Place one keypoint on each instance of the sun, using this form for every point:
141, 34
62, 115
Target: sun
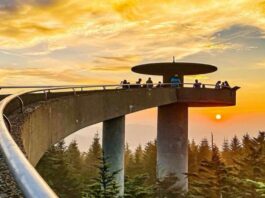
218, 116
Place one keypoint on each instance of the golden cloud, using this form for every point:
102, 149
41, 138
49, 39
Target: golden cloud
111, 68
113, 34
29, 76
119, 59
171, 20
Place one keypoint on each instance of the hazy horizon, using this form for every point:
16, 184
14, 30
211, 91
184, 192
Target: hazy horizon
139, 133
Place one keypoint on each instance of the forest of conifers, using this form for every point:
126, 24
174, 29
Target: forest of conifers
237, 170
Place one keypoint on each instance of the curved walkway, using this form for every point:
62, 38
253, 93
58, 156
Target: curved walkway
42, 119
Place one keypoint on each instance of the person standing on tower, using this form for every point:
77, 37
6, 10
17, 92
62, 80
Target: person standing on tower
197, 84
149, 83
175, 81
138, 83
218, 85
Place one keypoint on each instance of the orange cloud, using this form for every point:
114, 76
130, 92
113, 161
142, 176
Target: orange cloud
111, 68
29, 76
142, 23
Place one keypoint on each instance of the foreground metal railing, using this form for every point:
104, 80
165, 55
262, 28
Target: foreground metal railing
28, 179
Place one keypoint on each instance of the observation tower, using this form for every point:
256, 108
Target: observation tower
172, 121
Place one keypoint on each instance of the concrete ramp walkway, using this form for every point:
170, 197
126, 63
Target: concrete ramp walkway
37, 120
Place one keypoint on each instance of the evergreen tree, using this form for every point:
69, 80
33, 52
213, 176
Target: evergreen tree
246, 142
95, 150
204, 151
138, 158
149, 162
236, 149
74, 164
214, 179
248, 164
91, 160
137, 162
55, 170
73, 156
104, 185
136, 187
128, 161
193, 151
226, 153
260, 187
252, 164
239, 172
128, 155
208, 180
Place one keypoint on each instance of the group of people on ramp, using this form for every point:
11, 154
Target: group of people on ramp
175, 81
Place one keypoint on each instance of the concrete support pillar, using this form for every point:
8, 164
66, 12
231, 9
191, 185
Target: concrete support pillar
172, 142
113, 147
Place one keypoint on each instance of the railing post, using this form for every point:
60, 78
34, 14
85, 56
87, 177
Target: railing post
74, 91
45, 95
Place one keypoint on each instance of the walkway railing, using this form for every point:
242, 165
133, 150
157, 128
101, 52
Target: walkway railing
28, 179
48, 87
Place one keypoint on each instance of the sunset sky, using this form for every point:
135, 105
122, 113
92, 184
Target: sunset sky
97, 42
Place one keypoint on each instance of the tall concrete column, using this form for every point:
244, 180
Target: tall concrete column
172, 142
113, 147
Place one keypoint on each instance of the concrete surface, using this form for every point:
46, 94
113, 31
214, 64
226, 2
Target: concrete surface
48, 122
113, 144
45, 122
172, 142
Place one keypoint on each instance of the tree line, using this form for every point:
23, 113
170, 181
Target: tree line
235, 170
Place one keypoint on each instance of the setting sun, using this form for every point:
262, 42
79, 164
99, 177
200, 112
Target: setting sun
218, 116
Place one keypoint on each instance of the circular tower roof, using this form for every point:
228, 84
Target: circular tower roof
167, 68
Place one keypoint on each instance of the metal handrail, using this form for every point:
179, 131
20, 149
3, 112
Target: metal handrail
30, 182
90, 86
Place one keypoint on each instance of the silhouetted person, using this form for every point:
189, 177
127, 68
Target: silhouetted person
203, 86
149, 83
138, 83
218, 85
125, 84
159, 84
226, 85
197, 84
222, 85
175, 81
